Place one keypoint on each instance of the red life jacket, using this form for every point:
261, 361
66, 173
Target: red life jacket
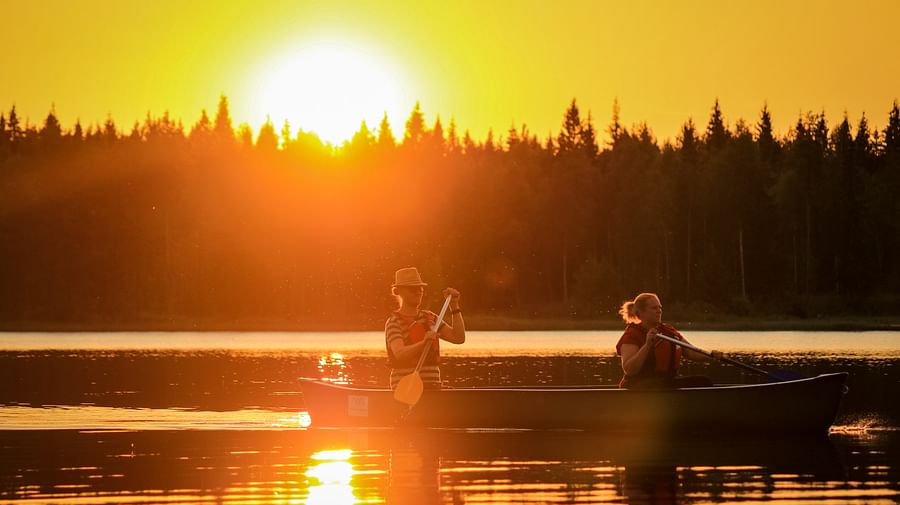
416, 327
662, 362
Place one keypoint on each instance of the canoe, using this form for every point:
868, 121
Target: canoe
807, 405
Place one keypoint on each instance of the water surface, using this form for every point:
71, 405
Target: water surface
218, 417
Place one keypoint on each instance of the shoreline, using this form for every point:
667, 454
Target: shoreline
474, 322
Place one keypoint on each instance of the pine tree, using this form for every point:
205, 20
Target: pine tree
512, 138
437, 134
110, 133
452, 137
52, 131
588, 137
892, 136
245, 136
614, 130
285, 136
385, 135
267, 140
223, 129
569, 138
202, 129
78, 131
716, 131
14, 131
415, 127
363, 139
862, 146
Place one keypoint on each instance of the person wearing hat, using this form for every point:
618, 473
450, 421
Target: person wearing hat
408, 328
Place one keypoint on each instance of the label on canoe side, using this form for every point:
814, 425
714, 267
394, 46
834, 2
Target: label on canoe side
358, 406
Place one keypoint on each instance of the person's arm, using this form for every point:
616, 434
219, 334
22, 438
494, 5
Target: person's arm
456, 332
633, 356
409, 354
406, 355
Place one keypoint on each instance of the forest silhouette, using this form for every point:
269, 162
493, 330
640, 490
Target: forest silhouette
215, 227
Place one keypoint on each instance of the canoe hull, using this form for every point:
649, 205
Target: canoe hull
798, 406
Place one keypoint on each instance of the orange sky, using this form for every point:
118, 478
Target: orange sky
487, 64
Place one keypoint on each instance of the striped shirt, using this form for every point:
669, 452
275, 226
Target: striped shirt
411, 330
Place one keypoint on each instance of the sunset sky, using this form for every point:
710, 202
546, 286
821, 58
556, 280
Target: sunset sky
325, 66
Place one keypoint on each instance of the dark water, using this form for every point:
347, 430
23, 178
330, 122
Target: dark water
92, 426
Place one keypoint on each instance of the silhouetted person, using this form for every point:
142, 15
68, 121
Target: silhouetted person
647, 360
408, 328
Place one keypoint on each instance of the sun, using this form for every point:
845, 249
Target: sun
329, 88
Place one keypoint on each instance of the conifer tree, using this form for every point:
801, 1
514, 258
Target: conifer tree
363, 139
588, 137
78, 131
267, 139
892, 137
437, 135
453, 144
415, 127
52, 131
614, 130
385, 135
569, 138
716, 131
245, 136
14, 131
285, 135
203, 128
468, 143
862, 146
223, 129
110, 133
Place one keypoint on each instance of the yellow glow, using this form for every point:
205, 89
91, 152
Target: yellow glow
329, 88
332, 478
665, 61
334, 455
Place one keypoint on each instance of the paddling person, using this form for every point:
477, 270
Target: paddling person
647, 360
408, 328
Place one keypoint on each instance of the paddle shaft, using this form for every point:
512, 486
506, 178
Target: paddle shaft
730, 361
437, 324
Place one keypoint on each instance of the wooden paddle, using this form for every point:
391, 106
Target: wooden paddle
780, 375
409, 389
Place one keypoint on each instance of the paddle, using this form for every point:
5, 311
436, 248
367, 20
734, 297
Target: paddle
409, 389
779, 375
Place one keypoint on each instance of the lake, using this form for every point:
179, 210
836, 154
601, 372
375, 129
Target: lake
94, 418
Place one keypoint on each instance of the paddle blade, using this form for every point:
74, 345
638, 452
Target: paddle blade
409, 389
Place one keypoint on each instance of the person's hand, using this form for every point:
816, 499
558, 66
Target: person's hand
652, 338
430, 335
454, 297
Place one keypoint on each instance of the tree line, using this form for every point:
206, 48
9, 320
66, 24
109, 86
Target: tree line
214, 226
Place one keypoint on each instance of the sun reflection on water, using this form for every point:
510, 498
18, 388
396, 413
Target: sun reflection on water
330, 478
332, 368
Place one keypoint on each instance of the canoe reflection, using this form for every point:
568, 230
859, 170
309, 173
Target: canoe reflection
650, 484
339, 467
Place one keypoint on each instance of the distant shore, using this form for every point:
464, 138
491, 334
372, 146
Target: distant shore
473, 322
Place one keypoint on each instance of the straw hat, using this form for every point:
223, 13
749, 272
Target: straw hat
407, 277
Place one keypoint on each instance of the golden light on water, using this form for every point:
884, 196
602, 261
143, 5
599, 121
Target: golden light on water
331, 478
332, 368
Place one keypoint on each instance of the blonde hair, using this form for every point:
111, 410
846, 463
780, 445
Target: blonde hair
628, 311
